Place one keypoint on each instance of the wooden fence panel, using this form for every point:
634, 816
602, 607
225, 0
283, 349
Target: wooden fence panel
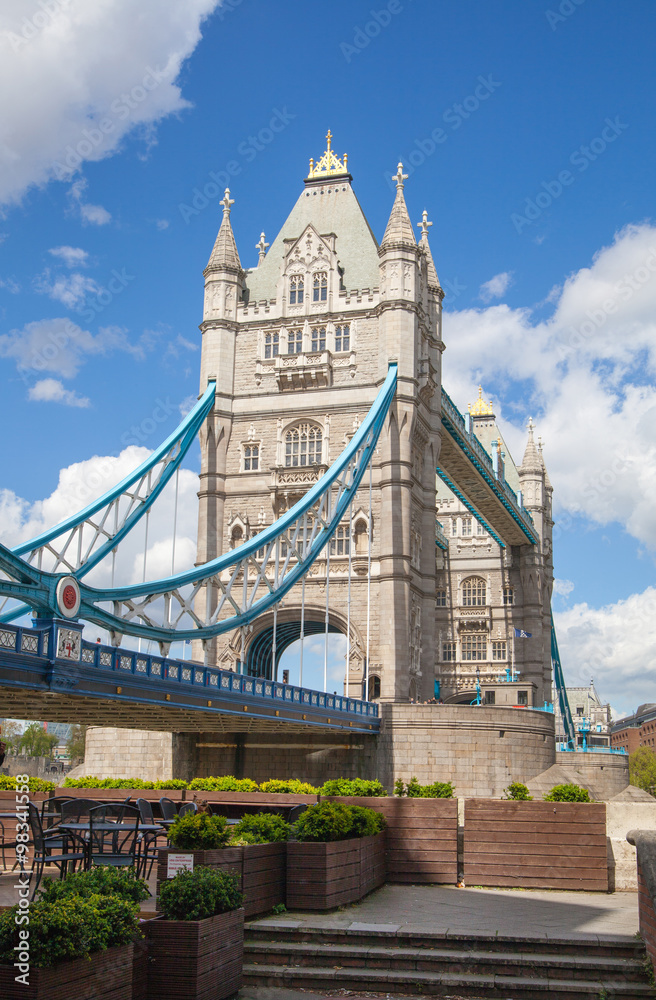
538, 845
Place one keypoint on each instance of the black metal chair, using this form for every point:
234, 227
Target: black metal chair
51, 812
186, 808
43, 847
147, 840
117, 847
168, 811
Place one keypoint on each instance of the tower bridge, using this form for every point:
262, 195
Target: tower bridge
341, 490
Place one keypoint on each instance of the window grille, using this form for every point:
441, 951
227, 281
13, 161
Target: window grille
474, 646
342, 338
296, 290
303, 446
271, 345
320, 287
295, 342
319, 338
473, 592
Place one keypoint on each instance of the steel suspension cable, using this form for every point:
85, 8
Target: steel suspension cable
365, 694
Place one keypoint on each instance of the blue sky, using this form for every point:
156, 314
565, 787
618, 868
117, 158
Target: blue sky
529, 131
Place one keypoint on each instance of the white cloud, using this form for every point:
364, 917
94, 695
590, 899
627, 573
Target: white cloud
70, 289
94, 214
61, 347
616, 645
88, 74
563, 587
11, 285
71, 256
162, 224
496, 286
50, 390
590, 371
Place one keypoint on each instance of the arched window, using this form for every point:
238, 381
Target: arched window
296, 290
251, 457
319, 338
236, 536
473, 592
374, 687
342, 338
271, 345
303, 445
340, 542
295, 342
320, 287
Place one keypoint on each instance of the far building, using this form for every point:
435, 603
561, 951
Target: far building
635, 731
591, 718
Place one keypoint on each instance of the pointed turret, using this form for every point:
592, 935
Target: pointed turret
433, 280
531, 463
547, 481
399, 232
224, 254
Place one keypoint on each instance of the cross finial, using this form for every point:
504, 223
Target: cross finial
261, 247
530, 426
329, 138
227, 201
424, 225
400, 176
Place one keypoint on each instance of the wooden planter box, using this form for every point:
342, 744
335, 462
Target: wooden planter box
536, 845
260, 868
324, 876
422, 837
108, 975
195, 959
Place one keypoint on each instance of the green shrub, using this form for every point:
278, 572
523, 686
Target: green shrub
355, 786
197, 894
8, 784
199, 832
171, 783
101, 880
291, 785
90, 782
567, 793
226, 783
517, 791
438, 790
70, 927
330, 821
262, 828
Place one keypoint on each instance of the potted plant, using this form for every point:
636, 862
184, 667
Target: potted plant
253, 850
338, 856
196, 948
49, 957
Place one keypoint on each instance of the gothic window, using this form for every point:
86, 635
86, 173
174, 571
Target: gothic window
454, 527
466, 526
320, 287
340, 543
251, 457
498, 650
374, 687
271, 345
440, 598
294, 341
343, 338
296, 290
480, 530
236, 536
508, 595
449, 652
319, 338
303, 445
474, 646
473, 592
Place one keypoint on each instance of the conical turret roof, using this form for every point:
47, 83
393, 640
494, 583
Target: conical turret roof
399, 230
531, 461
433, 280
547, 481
224, 253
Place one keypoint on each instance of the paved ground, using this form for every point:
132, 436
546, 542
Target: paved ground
445, 909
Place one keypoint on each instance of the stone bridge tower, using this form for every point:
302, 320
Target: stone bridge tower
299, 346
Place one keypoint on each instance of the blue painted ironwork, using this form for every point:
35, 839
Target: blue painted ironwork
561, 691
260, 650
446, 479
454, 422
80, 542
168, 682
441, 540
273, 561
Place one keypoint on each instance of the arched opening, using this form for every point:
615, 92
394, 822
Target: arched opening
260, 652
360, 532
374, 687
236, 536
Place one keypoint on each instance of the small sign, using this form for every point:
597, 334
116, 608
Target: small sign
179, 863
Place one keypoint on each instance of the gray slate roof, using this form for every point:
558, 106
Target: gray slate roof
331, 207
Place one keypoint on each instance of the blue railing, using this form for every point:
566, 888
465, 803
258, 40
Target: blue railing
188, 674
441, 540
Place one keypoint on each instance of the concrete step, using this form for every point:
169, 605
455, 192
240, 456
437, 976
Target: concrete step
446, 958
328, 979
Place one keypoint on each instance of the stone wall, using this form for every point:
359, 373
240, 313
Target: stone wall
127, 753
622, 816
481, 750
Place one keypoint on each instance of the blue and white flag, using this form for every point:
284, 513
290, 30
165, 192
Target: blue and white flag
521, 634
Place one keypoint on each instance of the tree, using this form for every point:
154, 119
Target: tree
10, 733
36, 742
75, 744
642, 769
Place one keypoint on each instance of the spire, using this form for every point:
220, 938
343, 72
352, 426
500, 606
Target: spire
531, 461
225, 253
433, 280
261, 248
480, 408
399, 230
547, 481
329, 165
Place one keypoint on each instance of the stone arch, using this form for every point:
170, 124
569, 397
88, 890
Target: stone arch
259, 648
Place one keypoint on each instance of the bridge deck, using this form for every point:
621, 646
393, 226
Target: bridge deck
119, 687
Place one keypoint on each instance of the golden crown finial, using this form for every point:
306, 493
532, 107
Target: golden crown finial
329, 165
480, 408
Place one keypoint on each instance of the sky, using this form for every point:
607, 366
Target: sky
527, 131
